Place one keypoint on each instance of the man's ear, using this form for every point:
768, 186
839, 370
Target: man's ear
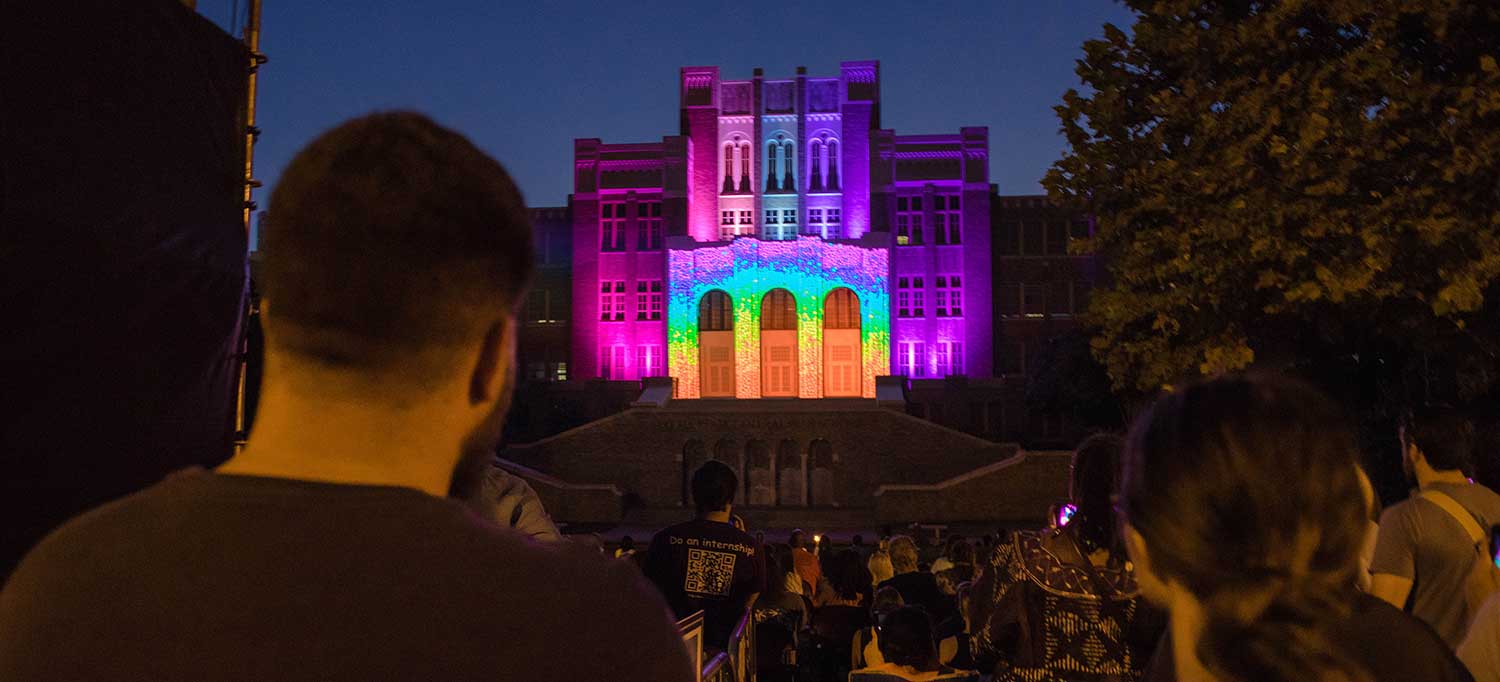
486, 380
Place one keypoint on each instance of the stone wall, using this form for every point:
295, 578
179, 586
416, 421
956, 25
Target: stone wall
1018, 490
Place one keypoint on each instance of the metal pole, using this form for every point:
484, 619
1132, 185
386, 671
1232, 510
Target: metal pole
251, 40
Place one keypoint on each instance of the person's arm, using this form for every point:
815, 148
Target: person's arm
1391, 589
1480, 650
1393, 565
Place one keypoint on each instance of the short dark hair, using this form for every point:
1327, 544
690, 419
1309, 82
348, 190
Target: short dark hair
714, 484
1444, 436
906, 638
390, 234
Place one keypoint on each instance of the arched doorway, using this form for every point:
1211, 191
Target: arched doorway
761, 480
693, 456
778, 344
716, 345
841, 352
821, 474
728, 452
789, 474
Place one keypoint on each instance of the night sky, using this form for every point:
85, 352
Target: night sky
524, 79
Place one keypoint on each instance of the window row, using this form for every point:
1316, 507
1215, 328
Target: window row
1038, 238
649, 362
736, 224
947, 220
542, 370
948, 296
913, 360
648, 300
612, 217
1057, 299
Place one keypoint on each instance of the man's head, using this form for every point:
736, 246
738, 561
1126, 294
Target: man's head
903, 554
714, 484
797, 539
394, 259
1437, 438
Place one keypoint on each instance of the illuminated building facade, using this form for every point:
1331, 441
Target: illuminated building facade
782, 245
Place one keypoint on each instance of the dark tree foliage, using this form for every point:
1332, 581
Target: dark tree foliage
1311, 185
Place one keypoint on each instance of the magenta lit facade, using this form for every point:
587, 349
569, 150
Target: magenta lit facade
782, 245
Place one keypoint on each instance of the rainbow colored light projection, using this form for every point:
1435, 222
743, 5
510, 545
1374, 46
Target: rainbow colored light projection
747, 269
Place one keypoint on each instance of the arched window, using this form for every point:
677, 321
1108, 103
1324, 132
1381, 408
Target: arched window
788, 176
789, 474
773, 166
778, 310
744, 183
833, 166
693, 456
841, 311
815, 162
728, 169
715, 312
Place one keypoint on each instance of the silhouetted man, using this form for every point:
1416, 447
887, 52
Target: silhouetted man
326, 550
707, 563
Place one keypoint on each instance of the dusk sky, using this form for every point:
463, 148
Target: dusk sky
524, 79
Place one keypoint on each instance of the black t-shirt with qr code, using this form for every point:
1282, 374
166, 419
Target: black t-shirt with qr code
707, 565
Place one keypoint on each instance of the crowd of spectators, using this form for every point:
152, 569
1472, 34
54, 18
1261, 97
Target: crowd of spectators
363, 533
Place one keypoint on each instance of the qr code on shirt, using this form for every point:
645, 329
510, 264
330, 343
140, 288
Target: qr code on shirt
709, 572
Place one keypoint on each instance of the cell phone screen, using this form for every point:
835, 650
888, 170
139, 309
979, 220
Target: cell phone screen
1065, 514
1495, 545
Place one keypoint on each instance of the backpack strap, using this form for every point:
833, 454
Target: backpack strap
1458, 512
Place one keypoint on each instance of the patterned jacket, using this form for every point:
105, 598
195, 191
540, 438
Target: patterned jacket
1042, 613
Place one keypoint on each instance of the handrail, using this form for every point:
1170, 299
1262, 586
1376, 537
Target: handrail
736, 663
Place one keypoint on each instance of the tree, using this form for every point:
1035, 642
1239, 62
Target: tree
1309, 183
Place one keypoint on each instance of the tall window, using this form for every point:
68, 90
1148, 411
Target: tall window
911, 358
1032, 238
1008, 298
1057, 238
832, 183
788, 224
946, 219
537, 305
773, 167
943, 366
648, 360
612, 300
715, 312
648, 217
949, 296
612, 226
1010, 238
909, 297
612, 362
1033, 300
908, 221
744, 183
815, 163
788, 176
648, 299
955, 357
728, 184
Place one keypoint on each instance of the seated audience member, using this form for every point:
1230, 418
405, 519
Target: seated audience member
1480, 650
1067, 584
1242, 513
779, 617
327, 549
880, 567
919, 588
706, 563
909, 651
777, 602
792, 581
805, 563
960, 567
865, 648
1424, 553
626, 549
506, 499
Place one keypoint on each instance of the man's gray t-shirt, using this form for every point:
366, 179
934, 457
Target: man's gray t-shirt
1421, 542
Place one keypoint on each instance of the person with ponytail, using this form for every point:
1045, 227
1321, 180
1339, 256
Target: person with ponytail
1243, 515
1062, 604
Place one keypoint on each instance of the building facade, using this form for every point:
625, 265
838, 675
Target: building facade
782, 245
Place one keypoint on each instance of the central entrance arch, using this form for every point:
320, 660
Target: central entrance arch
778, 344
716, 344
841, 352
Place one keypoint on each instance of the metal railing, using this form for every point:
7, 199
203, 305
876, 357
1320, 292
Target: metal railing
735, 664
